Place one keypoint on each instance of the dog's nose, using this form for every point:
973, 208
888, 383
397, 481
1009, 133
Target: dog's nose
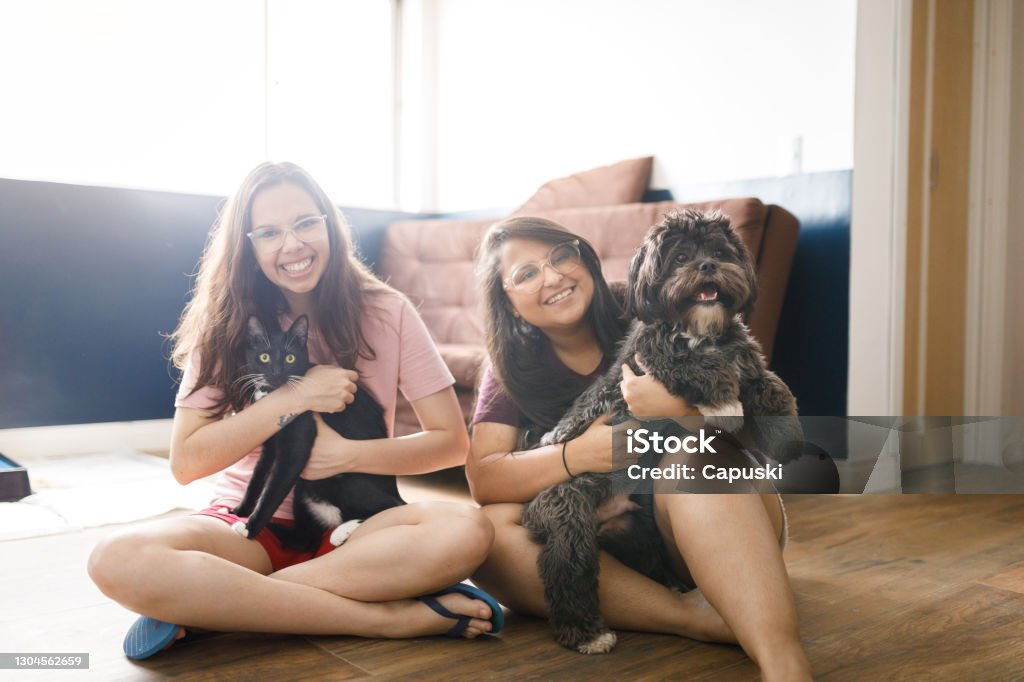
708, 266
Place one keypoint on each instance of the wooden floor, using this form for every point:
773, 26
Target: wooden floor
888, 587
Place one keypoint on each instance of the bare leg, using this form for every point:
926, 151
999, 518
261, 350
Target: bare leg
439, 543
730, 544
629, 600
196, 571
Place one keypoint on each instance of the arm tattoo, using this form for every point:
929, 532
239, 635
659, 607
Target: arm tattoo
286, 419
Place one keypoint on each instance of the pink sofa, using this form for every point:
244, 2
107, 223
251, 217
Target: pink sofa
432, 262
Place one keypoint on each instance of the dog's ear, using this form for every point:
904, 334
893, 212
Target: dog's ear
747, 262
642, 291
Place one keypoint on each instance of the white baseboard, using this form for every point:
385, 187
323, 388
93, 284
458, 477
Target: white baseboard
152, 436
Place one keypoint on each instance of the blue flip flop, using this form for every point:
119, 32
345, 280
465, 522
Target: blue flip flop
148, 636
497, 615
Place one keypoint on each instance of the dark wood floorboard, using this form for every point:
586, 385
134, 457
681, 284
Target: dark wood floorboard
887, 587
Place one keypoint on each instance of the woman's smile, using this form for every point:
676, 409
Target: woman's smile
561, 295
296, 269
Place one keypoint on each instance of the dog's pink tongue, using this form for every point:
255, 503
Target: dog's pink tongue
707, 294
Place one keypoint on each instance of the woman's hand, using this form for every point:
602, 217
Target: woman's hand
592, 450
647, 397
331, 454
326, 388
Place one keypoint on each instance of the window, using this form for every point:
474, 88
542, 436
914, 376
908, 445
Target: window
189, 95
330, 102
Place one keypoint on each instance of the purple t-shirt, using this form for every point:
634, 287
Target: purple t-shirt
493, 403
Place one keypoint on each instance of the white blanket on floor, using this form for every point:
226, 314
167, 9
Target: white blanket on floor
82, 491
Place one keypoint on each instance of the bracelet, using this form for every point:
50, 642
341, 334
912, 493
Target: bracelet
564, 463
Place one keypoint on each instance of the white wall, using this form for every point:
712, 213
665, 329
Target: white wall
534, 89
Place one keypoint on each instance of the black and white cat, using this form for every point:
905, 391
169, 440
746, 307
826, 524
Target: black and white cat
340, 502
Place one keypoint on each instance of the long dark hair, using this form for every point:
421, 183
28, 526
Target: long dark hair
230, 287
514, 346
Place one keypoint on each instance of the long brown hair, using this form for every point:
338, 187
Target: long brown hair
514, 346
230, 287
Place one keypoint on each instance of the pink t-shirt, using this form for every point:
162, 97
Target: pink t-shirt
406, 361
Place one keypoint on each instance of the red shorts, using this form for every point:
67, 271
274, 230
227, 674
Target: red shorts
280, 556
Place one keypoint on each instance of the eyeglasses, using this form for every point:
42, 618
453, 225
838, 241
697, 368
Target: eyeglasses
271, 237
528, 278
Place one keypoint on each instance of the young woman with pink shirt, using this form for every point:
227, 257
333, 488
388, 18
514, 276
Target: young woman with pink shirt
281, 249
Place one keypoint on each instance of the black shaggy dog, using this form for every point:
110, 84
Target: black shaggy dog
689, 283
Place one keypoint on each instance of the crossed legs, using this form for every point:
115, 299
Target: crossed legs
196, 571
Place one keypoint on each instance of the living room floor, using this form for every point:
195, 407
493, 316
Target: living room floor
890, 587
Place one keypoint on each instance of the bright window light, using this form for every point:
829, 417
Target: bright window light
330, 84
188, 96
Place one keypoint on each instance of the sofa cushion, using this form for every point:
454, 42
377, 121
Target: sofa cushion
431, 261
616, 232
620, 183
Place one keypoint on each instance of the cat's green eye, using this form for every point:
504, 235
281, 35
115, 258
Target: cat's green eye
264, 357
289, 358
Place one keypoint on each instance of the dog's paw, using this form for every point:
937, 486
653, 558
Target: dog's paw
601, 644
240, 528
340, 534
